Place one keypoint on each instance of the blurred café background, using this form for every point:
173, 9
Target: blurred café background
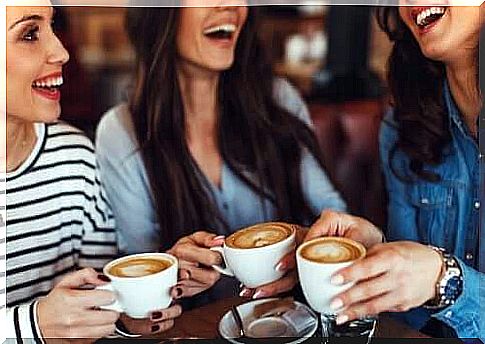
336, 57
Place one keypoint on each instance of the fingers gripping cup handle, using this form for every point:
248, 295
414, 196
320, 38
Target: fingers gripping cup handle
225, 271
116, 305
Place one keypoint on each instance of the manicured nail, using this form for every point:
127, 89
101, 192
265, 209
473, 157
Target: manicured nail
104, 278
179, 292
244, 292
157, 315
155, 328
336, 304
220, 237
258, 294
341, 319
337, 280
281, 267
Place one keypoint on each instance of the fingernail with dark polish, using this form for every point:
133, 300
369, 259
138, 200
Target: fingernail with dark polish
155, 328
104, 278
157, 315
179, 292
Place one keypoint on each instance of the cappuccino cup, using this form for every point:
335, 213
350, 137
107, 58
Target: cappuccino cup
141, 282
317, 261
251, 254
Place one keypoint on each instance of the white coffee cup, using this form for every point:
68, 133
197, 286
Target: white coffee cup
139, 296
256, 266
315, 275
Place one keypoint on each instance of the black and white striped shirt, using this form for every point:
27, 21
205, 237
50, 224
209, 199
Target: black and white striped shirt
58, 219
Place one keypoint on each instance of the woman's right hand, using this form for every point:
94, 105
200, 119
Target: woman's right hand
195, 260
69, 312
332, 223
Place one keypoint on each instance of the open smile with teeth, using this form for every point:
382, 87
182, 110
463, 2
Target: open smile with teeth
225, 31
429, 16
49, 83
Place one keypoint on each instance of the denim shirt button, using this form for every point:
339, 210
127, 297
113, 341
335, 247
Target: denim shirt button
477, 205
424, 200
449, 314
469, 256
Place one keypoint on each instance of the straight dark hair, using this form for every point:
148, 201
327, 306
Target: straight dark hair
416, 86
255, 134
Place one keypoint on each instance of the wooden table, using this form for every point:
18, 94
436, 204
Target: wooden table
203, 323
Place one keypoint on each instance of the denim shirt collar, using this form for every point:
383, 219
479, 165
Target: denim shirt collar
453, 111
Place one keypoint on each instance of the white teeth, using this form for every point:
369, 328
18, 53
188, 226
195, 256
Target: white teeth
51, 82
422, 16
226, 28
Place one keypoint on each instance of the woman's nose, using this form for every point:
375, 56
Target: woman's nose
57, 53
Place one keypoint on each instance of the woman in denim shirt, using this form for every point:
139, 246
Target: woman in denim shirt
430, 157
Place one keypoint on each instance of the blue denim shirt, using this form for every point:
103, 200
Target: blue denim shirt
443, 214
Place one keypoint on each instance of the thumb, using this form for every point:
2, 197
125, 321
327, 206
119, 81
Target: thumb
326, 225
80, 278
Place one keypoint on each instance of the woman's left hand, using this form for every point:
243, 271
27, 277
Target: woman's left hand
159, 321
393, 277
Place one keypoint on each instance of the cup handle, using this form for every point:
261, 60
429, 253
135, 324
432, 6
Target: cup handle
225, 271
116, 305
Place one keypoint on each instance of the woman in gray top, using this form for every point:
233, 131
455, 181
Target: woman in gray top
209, 140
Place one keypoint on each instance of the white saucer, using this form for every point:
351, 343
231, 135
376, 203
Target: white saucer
296, 324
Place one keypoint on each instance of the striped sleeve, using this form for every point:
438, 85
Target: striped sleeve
22, 323
99, 243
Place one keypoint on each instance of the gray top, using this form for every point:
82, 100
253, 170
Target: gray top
127, 184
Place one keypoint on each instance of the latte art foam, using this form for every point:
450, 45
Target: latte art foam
259, 236
333, 250
139, 267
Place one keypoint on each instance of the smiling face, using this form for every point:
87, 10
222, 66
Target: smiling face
444, 34
34, 64
207, 37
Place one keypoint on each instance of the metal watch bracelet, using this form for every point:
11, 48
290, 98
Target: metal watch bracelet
449, 284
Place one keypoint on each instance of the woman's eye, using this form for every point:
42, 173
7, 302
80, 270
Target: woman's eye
31, 35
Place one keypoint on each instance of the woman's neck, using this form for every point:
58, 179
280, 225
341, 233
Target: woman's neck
21, 140
200, 98
462, 78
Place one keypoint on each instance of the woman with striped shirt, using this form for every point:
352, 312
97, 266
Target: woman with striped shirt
58, 217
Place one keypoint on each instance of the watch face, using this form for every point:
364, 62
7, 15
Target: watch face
453, 288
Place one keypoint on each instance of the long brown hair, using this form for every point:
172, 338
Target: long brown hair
255, 134
416, 85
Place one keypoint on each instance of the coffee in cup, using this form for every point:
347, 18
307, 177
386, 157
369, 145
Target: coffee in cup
139, 267
252, 254
259, 236
332, 250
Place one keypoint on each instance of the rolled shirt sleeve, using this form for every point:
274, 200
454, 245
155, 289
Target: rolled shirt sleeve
465, 316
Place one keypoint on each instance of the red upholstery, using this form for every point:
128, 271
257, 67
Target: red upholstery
348, 136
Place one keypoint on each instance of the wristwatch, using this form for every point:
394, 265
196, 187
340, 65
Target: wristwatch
450, 283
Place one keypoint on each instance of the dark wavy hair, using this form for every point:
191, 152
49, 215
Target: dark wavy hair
255, 134
416, 86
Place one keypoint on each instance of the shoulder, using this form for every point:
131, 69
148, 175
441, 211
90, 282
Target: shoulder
62, 134
288, 97
115, 134
65, 143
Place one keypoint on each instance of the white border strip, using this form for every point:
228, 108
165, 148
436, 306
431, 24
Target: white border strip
3, 157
